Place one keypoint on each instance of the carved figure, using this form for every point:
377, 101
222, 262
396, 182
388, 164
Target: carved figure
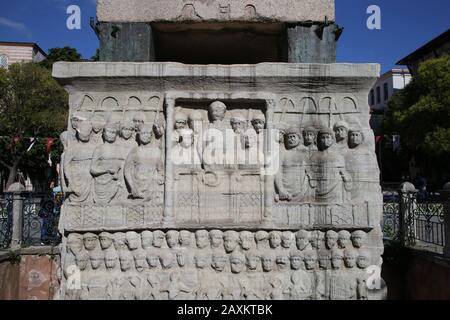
144, 167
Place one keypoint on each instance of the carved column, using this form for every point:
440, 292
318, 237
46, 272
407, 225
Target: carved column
445, 195
407, 194
270, 154
169, 216
16, 193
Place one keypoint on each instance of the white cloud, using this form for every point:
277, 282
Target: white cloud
13, 25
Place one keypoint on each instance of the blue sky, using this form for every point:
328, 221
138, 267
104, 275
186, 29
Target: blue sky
406, 25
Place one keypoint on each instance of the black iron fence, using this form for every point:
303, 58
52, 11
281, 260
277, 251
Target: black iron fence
414, 218
6, 203
39, 216
40, 219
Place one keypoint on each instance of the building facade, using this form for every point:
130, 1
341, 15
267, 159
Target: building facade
436, 48
386, 86
14, 52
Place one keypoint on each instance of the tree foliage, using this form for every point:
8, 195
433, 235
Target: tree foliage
61, 54
33, 107
421, 114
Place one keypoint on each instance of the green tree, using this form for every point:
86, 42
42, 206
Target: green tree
421, 115
33, 107
60, 54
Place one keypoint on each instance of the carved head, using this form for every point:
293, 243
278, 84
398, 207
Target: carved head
324, 258
309, 136
283, 262
331, 238
110, 133
326, 138
158, 129
350, 258
310, 258
202, 238
140, 260
145, 135
75, 243
247, 240
186, 138
217, 111
185, 238
119, 241
216, 237
363, 259
133, 240
287, 239
81, 259
219, 261
180, 120
340, 129
201, 260
111, 258
181, 259
96, 258
152, 260
84, 131
297, 260
90, 241
238, 123
231, 240
355, 138
292, 138
195, 121
252, 260
344, 239
237, 262
172, 238
262, 238
317, 239
138, 121
127, 129
126, 260
106, 240
358, 238
267, 262
337, 259
167, 260
259, 123
302, 239
75, 120
147, 239
274, 239
98, 123
158, 238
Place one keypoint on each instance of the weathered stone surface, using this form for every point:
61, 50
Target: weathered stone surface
290, 11
219, 181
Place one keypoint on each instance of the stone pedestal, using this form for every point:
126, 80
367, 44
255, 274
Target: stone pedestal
299, 221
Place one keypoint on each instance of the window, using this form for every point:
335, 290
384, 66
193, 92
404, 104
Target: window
386, 92
3, 61
372, 97
378, 95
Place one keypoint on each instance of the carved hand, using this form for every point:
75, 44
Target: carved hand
285, 196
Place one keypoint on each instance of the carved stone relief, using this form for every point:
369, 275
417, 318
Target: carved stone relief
174, 265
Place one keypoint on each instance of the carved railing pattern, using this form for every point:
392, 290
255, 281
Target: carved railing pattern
423, 219
40, 219
6, 203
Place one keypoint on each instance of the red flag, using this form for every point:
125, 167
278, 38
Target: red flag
378, 139
49, 144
